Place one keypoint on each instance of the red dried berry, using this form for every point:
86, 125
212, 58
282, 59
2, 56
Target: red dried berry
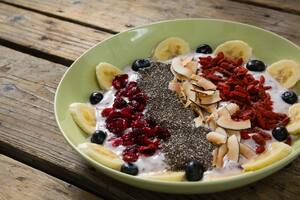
245, 135
258, 139
149, 150
120, 81
260, 149
119, 103
116, 142
117, 125
130, 154
126, 113
139, 123
106, 111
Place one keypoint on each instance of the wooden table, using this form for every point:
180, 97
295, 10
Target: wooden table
39, 39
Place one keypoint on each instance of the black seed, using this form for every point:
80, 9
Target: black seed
256, 66
194, 171
289, 97
96, 97
129, 168
98, 137
140, 63
280, 133
204, 48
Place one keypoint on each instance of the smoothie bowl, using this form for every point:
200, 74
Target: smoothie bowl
184, 106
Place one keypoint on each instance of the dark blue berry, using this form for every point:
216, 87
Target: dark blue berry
256, 66
204, 48
280, 133
98, 137
289, 97
96, 97
194, 171
129, 168
139, 64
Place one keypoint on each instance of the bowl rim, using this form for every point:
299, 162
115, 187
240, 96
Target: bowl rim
217, 181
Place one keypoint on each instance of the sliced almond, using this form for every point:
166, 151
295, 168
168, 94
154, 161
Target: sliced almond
211, 121
191, 95
221, 130
236, 133
179, 68
215, 156
209, 108
247, 152
233, 148
206, 100
192, 65
226, 122
222, 150
203, 82
216, 138
204, 92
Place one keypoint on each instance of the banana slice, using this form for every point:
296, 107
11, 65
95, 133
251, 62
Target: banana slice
286, 72
235, 49
101, 155
84, 116
105, 74
293, 126
170, 48
165, 176
278, 151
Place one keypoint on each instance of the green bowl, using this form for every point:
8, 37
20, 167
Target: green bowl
120, 50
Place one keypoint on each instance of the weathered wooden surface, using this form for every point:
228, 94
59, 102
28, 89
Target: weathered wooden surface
64, 29
117, 16
29, 133
18, 181
290, 6
50, 35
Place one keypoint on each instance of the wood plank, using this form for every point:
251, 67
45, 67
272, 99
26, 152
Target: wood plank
29, 134
116, 16
19, 181
46, 34
290, 6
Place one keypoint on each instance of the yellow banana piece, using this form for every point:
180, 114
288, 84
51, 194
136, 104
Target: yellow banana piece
105, 74
84, 116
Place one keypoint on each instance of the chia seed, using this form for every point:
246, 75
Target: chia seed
186, 142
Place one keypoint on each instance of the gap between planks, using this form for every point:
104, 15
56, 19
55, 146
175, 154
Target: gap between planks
288, 6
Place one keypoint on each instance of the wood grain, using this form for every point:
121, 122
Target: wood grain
29, 134
115, 16
290, 6
19, 181
46, 34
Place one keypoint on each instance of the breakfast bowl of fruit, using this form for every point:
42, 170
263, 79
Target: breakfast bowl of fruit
184, 106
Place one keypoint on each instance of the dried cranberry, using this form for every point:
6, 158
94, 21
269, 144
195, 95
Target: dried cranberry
139, 123
105, 112
140, 97
258, 139
116, 142
120, 81
142, 140
130, 154
126, 113
260, 149
112, 115
139, 107
119, 103
245, 135
148, 150
117, 125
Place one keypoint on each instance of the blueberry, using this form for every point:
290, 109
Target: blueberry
256, 66
204, 48
289, 97
98, 137
280, 133
194, 171
140, 63
96, 97
129, 168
